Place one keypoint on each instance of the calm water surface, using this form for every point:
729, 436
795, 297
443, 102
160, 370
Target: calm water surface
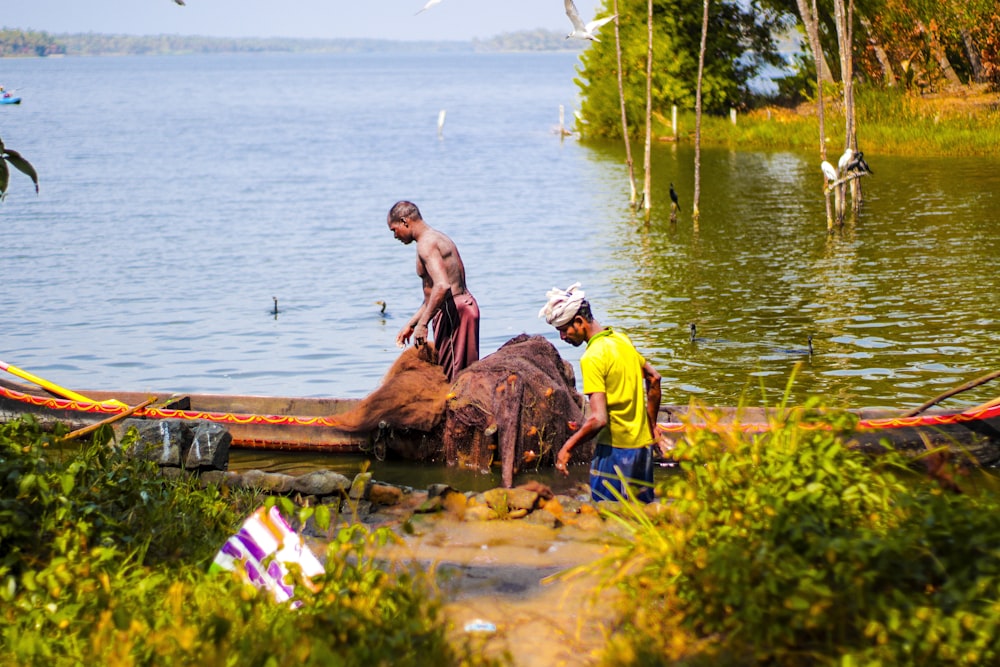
181, 194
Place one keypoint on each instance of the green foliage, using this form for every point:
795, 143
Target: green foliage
104, 561
892, 122
28, 43
739, 43
792, 549
19, 163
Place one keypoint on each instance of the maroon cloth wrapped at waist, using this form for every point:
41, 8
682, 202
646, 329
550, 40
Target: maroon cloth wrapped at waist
456, 333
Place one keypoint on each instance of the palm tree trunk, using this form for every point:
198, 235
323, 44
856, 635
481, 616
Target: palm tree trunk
621, 97
647, 195
821, 115
697, 114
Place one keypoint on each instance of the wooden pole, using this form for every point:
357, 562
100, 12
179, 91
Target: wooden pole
951, 392
110, 420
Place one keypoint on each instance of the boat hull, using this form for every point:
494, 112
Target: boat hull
254, 422
310, 424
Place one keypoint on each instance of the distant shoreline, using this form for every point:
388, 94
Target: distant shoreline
17, 43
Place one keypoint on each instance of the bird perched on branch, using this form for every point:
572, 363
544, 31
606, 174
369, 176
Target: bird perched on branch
673, 196
844, 160
858, 164
581, 31
828, 170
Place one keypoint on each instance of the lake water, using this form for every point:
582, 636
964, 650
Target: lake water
181, 195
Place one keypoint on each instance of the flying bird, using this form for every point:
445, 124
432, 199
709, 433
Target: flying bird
581, 31
430, 3
859, 165
828, 170
180, 2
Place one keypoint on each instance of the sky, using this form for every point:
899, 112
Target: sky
326, 19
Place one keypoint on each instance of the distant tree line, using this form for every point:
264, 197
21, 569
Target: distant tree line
528, 40
21, 43
28, 43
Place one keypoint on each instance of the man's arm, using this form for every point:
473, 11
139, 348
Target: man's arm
653, 397
596, 420
440, 286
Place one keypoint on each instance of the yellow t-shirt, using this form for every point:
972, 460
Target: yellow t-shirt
612, 365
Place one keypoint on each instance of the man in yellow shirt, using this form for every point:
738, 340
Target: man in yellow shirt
623, 391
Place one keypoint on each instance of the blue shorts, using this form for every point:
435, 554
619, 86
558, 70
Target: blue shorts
636, 465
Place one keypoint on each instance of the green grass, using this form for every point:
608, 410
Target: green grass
889, 123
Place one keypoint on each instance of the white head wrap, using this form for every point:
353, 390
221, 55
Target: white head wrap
563, 305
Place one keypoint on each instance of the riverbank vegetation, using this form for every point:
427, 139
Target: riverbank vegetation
792, 549
895, 123
910, 52
105, 561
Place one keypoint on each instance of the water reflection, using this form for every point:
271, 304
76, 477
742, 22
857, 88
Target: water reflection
900, 301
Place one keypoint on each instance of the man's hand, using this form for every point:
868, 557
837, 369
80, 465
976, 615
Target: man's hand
562, 462
403, 337
420, 335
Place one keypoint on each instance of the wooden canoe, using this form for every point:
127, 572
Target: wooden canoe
254, 422
310, 424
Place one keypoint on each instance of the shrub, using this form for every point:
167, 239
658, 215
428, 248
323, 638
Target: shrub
104, 561
792, 549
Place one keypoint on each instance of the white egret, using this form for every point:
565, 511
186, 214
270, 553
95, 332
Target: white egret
828, 170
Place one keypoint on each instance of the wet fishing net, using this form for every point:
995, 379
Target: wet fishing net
516, 406
403, 414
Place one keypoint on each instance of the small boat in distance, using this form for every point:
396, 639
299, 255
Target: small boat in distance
7, 97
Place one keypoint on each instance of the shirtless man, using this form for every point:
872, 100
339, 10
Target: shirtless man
448, 305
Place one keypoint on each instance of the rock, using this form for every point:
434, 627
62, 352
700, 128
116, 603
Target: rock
435, 490
430, 505
542, 517
162, 441
383, 494
217, 477
359, 487
209, 447
175, 443
522, 498
321, 483
270, 482
479, 513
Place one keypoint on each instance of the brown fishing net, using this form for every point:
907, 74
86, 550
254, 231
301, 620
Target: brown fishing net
411, 396
516, 406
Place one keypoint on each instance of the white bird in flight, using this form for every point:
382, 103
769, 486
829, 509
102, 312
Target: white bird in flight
430, 3
581, 31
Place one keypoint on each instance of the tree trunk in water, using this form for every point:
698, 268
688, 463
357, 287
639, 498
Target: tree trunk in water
811, 23
647, 195
817, 55
856, 195
697, 114
845, 67
621, 98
